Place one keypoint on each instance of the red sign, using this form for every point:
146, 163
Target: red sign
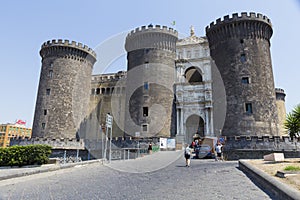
20, 122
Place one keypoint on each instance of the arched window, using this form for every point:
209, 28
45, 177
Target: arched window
98, 91
193, 75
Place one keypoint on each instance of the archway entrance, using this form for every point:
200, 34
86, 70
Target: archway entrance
193, 75
194, 125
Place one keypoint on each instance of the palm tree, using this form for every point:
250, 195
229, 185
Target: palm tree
292, 122
296, 112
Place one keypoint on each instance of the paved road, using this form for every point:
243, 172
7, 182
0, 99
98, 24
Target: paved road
205, 179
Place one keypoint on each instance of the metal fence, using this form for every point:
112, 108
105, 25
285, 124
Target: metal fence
100, 149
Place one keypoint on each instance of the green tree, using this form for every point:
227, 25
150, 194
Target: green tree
296, 112
292, 122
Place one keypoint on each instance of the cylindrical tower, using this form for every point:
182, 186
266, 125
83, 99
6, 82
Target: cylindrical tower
280, 102
64, 88
240, 47
150, 79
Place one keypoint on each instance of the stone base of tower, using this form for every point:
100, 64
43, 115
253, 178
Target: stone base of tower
254, 147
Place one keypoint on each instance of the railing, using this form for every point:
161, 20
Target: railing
128, 153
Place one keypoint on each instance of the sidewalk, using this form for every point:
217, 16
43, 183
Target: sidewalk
13, 172
269, 183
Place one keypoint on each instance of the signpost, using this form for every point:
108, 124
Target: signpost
109, 122
102, 144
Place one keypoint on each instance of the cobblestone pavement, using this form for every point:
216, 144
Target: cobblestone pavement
205, 179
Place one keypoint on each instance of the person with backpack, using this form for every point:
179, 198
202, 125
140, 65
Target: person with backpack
187, 155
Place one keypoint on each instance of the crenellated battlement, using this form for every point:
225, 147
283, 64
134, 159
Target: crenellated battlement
254, 147
262, 143
56, 143
279, 90
246, 25
67, 43
261, 138
242, 17
156, 37
151, 28
280, 94
111, 77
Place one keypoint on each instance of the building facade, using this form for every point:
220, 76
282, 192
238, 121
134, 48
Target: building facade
9, 131
217, 85
193, 88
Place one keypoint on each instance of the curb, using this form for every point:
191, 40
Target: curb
53, 168
276, 188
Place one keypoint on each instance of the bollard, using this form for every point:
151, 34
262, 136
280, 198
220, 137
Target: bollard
77, 155
65, 156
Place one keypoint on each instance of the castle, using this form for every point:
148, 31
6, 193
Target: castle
217, 85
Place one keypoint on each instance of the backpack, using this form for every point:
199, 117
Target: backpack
187, 151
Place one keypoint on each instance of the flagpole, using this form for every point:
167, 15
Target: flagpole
173, 24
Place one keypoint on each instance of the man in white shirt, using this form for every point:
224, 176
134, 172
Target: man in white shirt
219, 151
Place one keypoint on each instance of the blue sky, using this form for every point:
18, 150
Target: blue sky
25, 25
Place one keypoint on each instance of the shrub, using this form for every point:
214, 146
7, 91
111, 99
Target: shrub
292, 168
25, 155
155, 148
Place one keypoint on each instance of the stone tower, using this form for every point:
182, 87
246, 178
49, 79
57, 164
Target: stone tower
64, 89
151, 54
240, 47
280, 102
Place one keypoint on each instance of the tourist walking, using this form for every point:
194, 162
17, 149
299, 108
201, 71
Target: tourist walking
219, 151
150, 148
187, 155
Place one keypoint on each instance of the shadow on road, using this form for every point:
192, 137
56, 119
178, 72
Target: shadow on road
180, 166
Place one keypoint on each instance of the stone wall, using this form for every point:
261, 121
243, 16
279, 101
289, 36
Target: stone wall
55, 143
256, 154
263, 142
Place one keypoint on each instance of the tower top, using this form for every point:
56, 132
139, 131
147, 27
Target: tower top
280, 94
152, 29
67, 43
237, 18
152, 37
245, 26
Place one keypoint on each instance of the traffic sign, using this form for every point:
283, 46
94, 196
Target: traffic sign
109, 120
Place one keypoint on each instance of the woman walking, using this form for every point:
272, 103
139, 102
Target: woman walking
187, 155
